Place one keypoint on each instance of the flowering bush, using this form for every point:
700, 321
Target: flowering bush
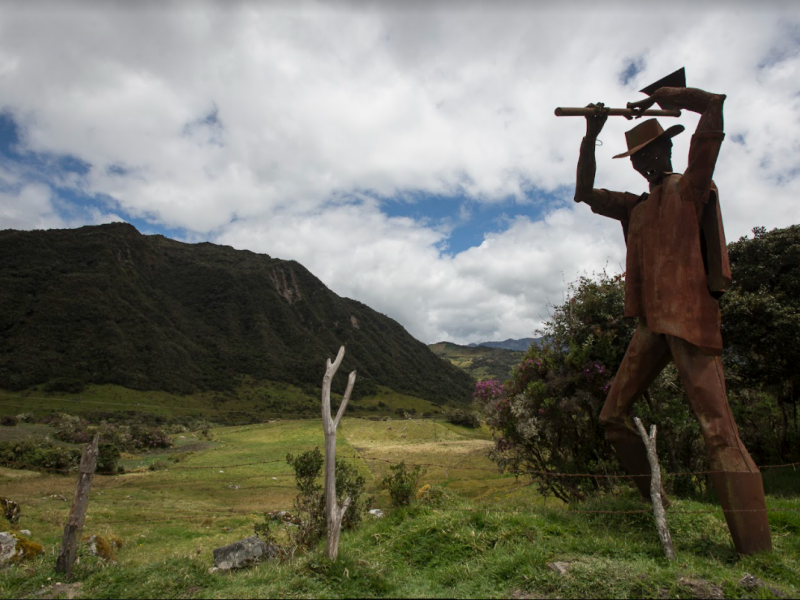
546, 420
546, 417
76, 430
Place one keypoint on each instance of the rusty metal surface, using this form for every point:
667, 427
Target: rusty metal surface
742, 499
676, 79
677, 264
564, 111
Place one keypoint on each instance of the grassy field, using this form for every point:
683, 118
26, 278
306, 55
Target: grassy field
250, 401
479, 361
493, 538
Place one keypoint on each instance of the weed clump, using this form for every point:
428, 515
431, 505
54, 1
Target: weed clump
310, 500
103, 547
402, 483
433, 495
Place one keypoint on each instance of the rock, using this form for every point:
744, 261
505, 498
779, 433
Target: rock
8, 547
25, 532
376, 512
752, 583
702, 588
15, 548
100, 546
559, 567
244, 553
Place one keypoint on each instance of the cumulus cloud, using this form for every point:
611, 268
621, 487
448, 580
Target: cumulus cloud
499, 289
288, 128
30, 207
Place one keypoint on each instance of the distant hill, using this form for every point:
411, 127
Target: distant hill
106, 304
521, 345
480, 362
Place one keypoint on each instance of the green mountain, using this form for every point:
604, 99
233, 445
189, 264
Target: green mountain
520, 345
481, 362
106, 304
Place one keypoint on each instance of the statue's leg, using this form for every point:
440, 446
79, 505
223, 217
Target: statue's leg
736, 477
645, 358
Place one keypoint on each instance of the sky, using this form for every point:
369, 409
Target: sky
406, 153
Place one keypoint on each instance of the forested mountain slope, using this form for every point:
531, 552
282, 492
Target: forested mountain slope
106, 304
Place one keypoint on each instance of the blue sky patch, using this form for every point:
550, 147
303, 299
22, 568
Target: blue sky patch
70, 203
9, 134
208, 126
465, 220
631, 70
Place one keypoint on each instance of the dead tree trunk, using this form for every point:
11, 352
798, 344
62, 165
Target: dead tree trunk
77, 514
333, 512
655, 488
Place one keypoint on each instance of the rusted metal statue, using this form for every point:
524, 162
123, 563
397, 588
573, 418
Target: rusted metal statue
677, 267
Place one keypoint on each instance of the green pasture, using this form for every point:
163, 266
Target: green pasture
250, 401
493, 537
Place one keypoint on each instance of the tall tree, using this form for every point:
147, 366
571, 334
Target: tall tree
761, 320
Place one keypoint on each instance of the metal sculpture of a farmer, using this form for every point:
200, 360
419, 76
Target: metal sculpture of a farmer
677, 267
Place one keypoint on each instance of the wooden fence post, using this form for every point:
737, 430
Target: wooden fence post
655, 488
77, 514
334, 513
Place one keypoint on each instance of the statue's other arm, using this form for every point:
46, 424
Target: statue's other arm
603, 202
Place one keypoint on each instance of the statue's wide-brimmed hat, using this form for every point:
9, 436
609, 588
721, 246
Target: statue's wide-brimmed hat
646, 133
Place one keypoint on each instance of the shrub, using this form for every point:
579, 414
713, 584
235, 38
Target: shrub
108, 456
25, 417
71, 429
148, 438
432, 495
546, 417
310, 500
402, 483
136, 437
464, 418
43, 454
9, 421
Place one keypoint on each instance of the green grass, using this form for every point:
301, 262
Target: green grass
251, 400
480, 362
494, 537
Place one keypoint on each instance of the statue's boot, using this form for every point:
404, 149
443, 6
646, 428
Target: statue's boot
742, 499
633, 456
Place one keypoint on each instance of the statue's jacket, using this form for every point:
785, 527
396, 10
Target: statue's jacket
677, 263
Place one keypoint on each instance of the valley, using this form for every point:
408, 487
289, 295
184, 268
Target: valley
492, 536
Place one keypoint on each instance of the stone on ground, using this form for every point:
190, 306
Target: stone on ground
243, 553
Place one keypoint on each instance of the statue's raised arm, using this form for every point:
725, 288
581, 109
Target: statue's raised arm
696, 100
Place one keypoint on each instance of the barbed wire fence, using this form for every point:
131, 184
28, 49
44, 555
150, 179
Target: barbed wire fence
270, 482
167, 515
